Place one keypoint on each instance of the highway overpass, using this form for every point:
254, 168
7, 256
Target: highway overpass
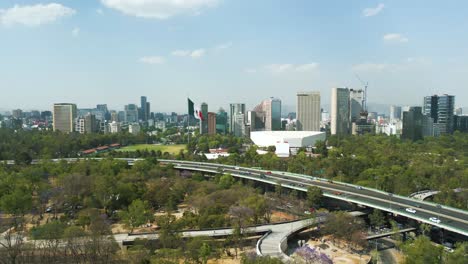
451, 219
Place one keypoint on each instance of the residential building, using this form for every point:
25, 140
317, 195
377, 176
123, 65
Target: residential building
308, 111
340, 114
87, 124
64, 116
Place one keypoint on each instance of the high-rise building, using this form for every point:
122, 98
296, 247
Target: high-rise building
355, 104
143, 106
270, 111
441, 109
459, 111
64, 116
87, 124
235, 109
204, 121
461, 123
221, 121
103, 109
17, 113
114, 127
340, 117
239, 128
211, 123
395, 113
413, 124
308, 111
131, 113
134, 128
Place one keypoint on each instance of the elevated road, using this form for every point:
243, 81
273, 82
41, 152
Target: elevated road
451, 219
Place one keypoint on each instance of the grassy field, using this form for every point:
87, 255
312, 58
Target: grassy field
172, 149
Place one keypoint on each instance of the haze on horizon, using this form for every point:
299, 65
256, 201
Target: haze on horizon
224, 51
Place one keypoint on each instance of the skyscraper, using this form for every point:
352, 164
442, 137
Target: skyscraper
269, 111
440, 108
143, 108
308, 111
64, 117
355, 104
131, 113
340, 117
413, 124
204, 121
235, 109
221, 121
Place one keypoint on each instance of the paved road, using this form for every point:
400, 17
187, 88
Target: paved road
452, 219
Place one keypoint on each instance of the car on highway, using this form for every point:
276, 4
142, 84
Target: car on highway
410, 210
268, 173
359, 187
236, 168
434, 219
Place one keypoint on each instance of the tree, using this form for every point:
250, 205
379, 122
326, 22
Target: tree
422, 251
459, 255
314, 197
138, 213
377, 218
226, 181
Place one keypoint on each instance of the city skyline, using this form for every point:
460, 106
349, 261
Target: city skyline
71, 51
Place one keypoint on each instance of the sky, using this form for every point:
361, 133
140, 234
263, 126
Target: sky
226, 51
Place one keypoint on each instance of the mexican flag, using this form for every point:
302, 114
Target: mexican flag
194, 111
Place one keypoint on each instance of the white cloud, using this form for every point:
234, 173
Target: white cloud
371, 67
367, 12
307, 67
180, 53
159, 9
281, 68
189, 53
197, 53
76, 32
223, 46
395, 38
410, 63
152, 60
34, 15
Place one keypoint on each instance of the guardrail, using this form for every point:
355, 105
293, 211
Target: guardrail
259, 243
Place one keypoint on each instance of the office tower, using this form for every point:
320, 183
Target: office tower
105, 112
204, 121
64, 117
413, 124
143, 106
221, 121
340, 122
441, 109
461, 123
233, 110
211, 123
134, 128
148, 111
459, 111
238, 126
355, 104
395, 113
18, 113
131, 113
308, 111
87, 124
269, 111
114, 116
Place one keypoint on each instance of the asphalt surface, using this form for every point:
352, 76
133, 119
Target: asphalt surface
450, 219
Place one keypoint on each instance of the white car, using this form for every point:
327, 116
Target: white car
410, 210
435, 220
